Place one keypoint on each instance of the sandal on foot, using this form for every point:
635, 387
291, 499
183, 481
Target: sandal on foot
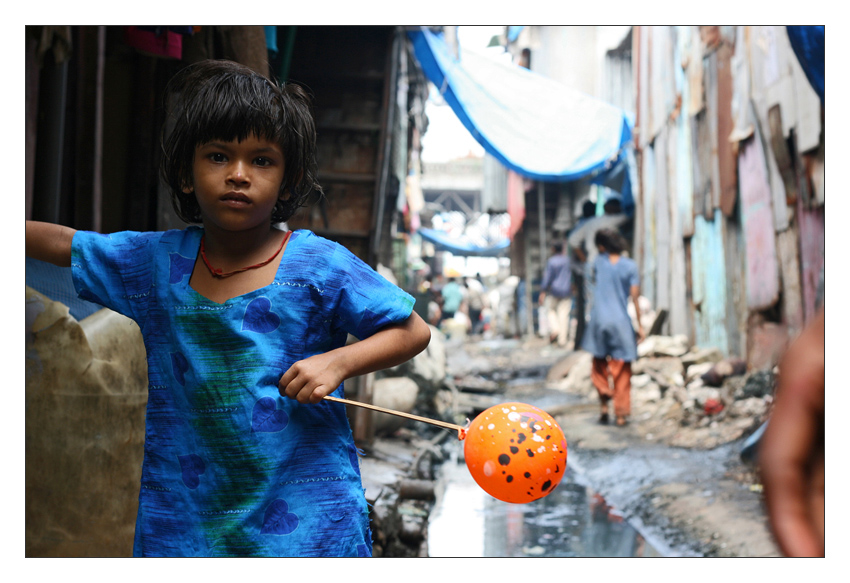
603, 419
621, 422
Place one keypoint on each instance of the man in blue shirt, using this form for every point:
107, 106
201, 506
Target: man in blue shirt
556, 294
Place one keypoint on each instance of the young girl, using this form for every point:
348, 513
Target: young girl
245, 328
610, 337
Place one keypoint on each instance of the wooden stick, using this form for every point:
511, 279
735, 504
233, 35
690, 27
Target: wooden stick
461, 431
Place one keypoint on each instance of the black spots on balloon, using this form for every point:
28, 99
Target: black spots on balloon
548, 437
521, 438
546, 485
510, 479
527, 474
514, 449
557, 469
504, 459
529, 452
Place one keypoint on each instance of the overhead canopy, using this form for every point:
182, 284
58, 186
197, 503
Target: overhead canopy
533, 125
461, 247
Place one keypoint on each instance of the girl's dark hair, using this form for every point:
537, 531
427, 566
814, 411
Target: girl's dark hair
610, 240
223, 100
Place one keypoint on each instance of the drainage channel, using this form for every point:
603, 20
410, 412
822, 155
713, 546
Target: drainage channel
572, 521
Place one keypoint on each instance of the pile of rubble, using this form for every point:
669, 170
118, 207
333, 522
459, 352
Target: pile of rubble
682, 396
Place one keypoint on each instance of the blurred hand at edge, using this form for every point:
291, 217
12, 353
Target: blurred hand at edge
791, 455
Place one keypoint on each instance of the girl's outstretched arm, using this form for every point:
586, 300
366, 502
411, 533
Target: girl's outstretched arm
49, 242
312, 379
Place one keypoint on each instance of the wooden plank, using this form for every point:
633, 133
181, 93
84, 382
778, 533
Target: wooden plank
789, 266
649, 254
711, 110
736, 286
726, 155
662, 223
741, 109
762, 268
811, 226
643, 91
784, 160
701, 166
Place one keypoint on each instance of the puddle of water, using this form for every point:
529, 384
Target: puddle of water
572, 521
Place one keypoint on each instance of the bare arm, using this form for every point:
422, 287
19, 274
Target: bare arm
49, 242
634, 291
311, 379
791, 454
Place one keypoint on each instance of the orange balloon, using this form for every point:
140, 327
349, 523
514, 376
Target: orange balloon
515, 452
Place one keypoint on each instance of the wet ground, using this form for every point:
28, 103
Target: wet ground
573, 521
623, 496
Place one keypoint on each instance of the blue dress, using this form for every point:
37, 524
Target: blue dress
609, 331
230, 466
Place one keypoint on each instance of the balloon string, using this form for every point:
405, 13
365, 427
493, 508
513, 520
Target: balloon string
461, 431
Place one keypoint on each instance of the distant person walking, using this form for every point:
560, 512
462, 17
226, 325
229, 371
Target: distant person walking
452, 298
556, 294
476, 301
610, 337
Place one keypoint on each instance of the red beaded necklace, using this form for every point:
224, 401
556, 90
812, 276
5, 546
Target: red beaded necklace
219, 274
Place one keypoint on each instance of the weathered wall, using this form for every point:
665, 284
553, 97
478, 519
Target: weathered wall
729, 226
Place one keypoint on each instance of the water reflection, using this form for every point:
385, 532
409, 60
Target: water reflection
570, 522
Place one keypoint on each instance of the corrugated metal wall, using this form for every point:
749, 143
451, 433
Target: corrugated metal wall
730, 226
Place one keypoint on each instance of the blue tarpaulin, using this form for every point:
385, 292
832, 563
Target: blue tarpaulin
462, 248
533, 125
808, 44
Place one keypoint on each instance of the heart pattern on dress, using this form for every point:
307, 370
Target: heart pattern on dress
266, 417
193, 466
179, 366
278, 519
259, 317
179, 267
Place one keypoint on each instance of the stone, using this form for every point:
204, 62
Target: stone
697, 355
396, 393
663, 346
750, 408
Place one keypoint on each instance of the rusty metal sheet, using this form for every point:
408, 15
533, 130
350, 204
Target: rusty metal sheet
708, 283
701, 166
811, 226
693, 60
661, 83
726, 155
662, 223
680, 148
792, 295
678, 310
757, 218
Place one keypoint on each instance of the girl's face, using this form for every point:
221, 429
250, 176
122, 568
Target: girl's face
237, 183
